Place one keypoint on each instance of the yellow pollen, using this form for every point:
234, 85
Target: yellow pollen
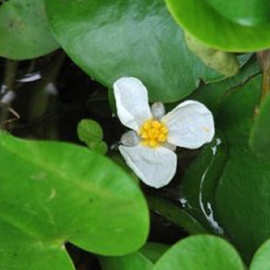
153, 133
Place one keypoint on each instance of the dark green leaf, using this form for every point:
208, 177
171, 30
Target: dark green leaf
261, 260
200, 181
110, 39
211, 95
243, 194
175, 214
153, 251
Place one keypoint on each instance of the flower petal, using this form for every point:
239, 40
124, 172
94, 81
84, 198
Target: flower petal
154, 166
131, 102
190, 125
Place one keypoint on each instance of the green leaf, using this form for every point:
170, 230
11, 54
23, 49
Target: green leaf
248, 13
235, 26
201, 252
110, 39
260, 133
243, 193
261, 260
24, 30
56, 192
90, 132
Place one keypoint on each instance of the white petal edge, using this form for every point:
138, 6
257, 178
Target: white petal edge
154, 166
131, 102
190, 125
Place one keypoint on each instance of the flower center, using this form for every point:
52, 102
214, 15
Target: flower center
153, 133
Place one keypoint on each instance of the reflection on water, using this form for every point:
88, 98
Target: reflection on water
200, 196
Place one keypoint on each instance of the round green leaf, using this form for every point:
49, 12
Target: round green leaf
56, 192
114, 38
24, 30
200, 253
231, 25
261, 260
90, 132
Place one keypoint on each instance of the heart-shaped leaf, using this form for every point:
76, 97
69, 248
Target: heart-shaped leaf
24, 30
201, 252
114, 38
235, 26
53, 192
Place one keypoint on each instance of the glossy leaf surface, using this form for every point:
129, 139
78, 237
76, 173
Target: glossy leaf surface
236, 26
110, 39
200, 253
58, 192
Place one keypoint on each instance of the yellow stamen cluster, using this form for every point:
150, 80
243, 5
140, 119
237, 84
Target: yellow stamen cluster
153, 133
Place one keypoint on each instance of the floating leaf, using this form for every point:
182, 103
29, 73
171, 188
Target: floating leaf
58, 192
235, 26
201, 252
24, 30
110, 39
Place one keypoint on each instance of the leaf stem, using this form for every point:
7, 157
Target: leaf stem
264, 61
8, 86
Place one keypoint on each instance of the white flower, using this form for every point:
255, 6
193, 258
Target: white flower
148, 150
